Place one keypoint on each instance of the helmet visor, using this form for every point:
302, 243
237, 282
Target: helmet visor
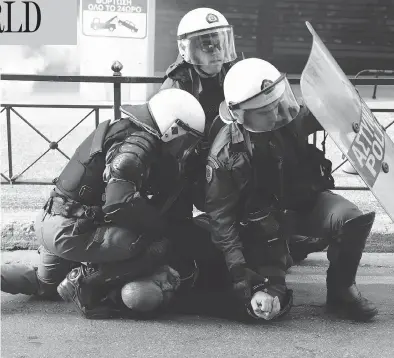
179, 129
272, 108
181, 140
208, 47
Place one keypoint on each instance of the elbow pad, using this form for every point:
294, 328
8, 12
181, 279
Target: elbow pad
132, 159
127, 208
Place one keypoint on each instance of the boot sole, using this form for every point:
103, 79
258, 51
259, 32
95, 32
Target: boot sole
100, 314
64, 293
343, 313
67, 296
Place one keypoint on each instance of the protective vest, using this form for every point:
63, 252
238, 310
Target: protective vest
82, 178
208, 91
287, 171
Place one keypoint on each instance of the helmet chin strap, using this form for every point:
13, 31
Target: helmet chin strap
202, 73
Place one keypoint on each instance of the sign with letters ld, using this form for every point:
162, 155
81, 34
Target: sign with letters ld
38, 22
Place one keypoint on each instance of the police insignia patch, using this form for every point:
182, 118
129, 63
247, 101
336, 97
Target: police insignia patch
265, 84
208, 173
212, 18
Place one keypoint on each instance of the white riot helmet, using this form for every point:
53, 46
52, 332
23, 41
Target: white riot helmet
258, 96
205, 30
180, 119
177, 112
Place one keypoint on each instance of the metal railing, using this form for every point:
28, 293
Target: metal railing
53, 145
376, 73
117, 80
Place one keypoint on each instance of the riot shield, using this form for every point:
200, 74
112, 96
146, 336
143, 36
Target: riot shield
336, 104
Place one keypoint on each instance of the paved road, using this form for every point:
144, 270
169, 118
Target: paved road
31, 328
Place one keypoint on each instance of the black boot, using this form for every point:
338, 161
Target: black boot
85, 297
349, 302
87, 287
344, 254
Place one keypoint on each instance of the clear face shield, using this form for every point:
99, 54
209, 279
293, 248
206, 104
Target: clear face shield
209, 47
272, 108
180, 141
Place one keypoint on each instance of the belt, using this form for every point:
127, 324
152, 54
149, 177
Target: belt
57, 205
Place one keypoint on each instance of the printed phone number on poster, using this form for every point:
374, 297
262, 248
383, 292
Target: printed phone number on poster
115, 6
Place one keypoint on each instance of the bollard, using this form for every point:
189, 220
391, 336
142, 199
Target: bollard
116, 68
375, 87
9, 138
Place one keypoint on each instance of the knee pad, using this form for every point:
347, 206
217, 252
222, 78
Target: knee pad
153, 292
356, 230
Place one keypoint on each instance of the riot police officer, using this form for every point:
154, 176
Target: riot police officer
266, 183
113, 204
206, 52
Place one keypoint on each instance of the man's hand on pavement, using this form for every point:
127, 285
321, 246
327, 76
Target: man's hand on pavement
265, 306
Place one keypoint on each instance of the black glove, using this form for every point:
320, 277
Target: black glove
243, 281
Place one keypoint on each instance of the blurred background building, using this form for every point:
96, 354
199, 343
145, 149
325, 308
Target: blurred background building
359, 33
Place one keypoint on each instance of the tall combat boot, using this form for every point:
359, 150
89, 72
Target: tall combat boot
85, 297
344, 254
86, 287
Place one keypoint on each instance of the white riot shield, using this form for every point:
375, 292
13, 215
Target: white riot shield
336, 104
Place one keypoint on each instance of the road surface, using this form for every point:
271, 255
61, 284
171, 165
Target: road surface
32, 328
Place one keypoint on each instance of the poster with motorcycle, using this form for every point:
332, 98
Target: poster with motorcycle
339, 108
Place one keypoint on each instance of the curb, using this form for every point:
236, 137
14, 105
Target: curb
20, 235
369, 259
316, 259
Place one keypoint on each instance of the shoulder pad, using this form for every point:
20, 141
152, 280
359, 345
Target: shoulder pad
222, 139
144, 140
214, 129
134, 157
180, 74
178, 68
118, 131
228, 65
